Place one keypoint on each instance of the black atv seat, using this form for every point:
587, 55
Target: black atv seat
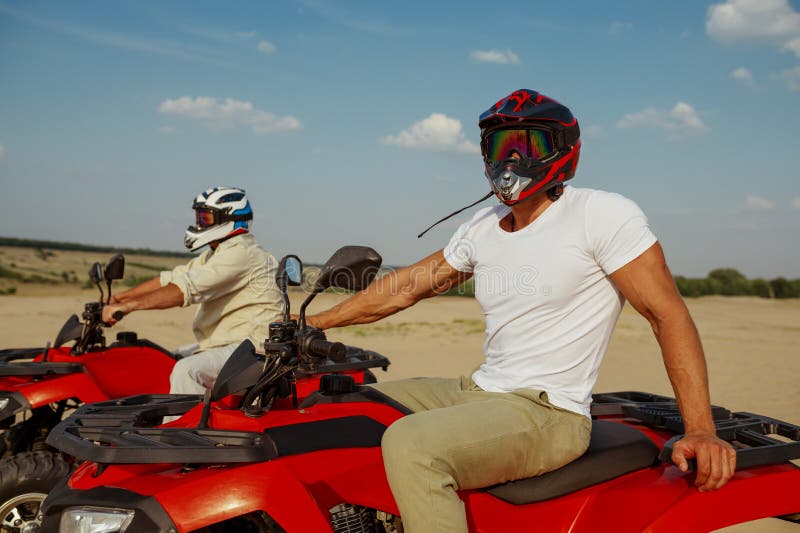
614, 449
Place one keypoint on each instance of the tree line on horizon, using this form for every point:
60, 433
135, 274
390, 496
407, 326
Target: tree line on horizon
731, 282
74, 246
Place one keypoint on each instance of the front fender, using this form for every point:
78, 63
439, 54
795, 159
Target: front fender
54, 389
201, 497
270, 487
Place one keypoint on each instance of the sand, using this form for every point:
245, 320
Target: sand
752, 346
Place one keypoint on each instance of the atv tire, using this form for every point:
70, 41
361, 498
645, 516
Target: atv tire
25, 480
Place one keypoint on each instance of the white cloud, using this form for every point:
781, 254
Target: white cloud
438, 132
791, 76
2, 151
495, 56
680, 121
266, 47
743, 75
759, 21
166, 130
758, 203
619, 26
227, 113
245, 34
796, 202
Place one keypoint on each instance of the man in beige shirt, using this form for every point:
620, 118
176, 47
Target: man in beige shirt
233, 281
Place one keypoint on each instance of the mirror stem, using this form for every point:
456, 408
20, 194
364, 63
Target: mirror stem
303, 310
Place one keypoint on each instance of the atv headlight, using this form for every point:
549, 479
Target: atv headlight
95, 520
3, 403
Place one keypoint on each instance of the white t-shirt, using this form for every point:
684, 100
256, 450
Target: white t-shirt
549, 305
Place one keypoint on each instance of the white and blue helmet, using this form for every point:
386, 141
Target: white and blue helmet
220, 213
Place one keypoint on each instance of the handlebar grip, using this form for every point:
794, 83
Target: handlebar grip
335, 351
118, 315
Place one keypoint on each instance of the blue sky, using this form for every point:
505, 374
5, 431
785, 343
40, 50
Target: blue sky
355, 122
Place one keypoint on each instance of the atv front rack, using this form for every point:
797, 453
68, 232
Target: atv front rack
10, 354
107, 433
758, 440
39, 369
112, 432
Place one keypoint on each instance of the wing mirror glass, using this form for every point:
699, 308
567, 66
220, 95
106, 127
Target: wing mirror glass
290, 272
96, 273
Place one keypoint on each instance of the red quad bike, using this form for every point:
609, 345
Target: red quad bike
38, 386
275, 448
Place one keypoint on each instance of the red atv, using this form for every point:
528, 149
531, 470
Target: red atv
276, 448
39, 386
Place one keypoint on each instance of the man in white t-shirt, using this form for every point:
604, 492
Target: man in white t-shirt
552, 267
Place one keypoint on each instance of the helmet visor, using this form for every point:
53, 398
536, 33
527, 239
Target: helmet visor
528, 143
204, 218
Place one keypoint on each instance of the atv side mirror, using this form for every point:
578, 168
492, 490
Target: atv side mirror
351, 267
290, 272
242, 370
115, 268
96, 273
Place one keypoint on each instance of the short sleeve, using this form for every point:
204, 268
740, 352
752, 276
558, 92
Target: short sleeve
459, 252
223, 272
617, 230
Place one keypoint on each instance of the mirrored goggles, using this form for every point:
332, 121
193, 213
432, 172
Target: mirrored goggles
204, 218
529, 143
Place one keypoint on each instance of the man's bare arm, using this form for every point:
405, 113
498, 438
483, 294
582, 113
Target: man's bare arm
138, 291
648, 285
393, 292
162, 298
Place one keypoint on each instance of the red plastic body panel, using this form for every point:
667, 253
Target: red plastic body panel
298, 490
111, 373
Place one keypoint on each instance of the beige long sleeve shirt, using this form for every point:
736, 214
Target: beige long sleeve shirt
235, 287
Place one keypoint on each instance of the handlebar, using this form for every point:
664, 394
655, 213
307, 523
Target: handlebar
335, 351
118, 315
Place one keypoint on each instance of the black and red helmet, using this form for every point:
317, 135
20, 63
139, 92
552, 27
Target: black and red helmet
529, 143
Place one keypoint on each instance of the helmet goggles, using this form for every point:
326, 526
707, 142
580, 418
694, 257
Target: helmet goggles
205, 218
528, 143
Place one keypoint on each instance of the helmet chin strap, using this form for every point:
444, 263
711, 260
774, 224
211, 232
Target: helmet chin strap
490, 193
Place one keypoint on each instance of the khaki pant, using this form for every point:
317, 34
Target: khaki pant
462, 437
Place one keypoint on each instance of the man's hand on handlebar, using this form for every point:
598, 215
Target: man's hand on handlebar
310, 321
113, 313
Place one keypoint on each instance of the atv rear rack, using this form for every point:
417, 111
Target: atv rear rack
758, 440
